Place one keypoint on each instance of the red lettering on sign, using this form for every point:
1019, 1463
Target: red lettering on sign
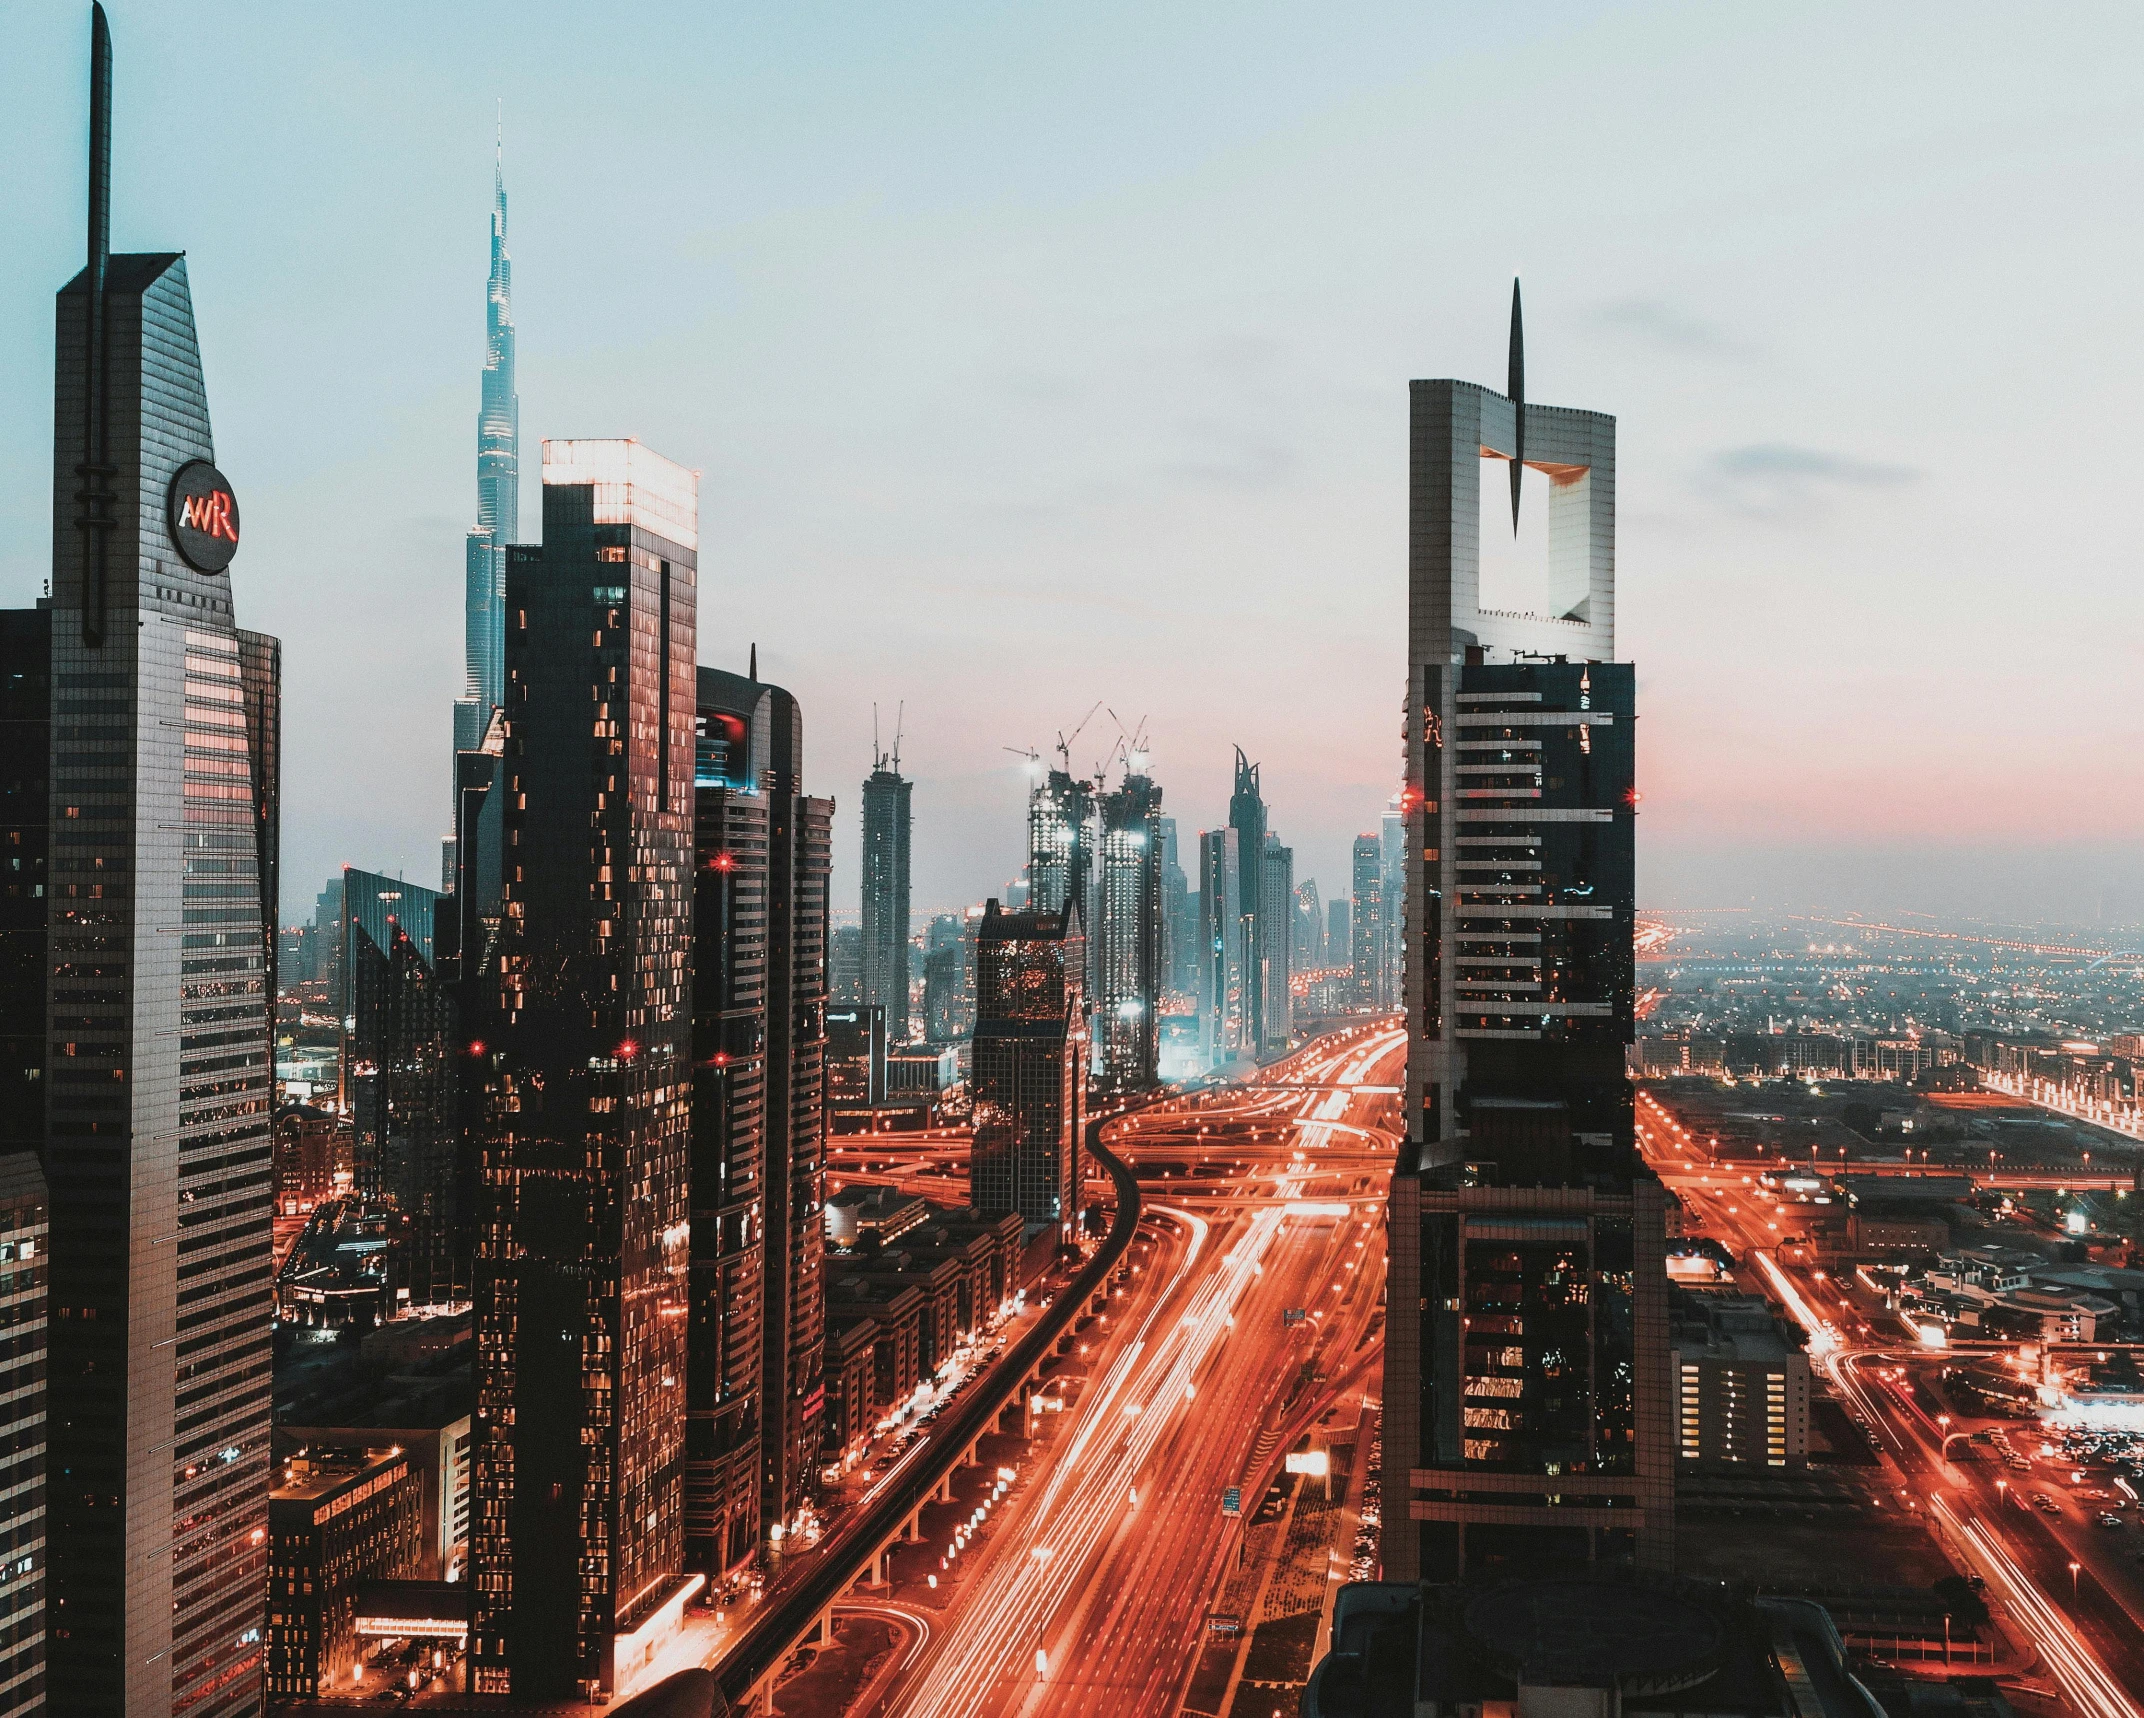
210, 514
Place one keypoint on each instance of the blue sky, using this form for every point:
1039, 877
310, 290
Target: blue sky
1033, 356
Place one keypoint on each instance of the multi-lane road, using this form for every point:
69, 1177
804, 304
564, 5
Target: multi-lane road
1090, 1594
2072, 1599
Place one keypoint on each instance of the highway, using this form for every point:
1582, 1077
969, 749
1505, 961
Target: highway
1089, 1594
2085, 1629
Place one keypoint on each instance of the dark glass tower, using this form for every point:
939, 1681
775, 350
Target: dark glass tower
726, 1360
1247, 817
25, 837
498, 492
758, 1318
399, 1062
885, 893
585, 1023
157, 1121
800, 836
1526, 1389
1030, 1066
1128, 928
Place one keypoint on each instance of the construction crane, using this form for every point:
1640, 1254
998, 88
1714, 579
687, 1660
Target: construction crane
1034, 758
1131, 746
1064, 740
884, 760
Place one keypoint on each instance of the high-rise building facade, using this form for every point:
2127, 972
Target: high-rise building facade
1276, 946
498, 495
1339, 934
885, 894
1367, 926
1179, 929
1128, 932
1030, 1066
399, 1066
1247, 817
25, 839
1061, 837
1222, 934
758, 1315
583, 1140
949, 977
1392, 903
159, 1066
1309, 944
1526, 1365
725, 1362
25, 1260
761, 838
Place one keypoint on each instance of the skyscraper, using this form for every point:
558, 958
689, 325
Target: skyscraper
1128, 929
885, 892
758, 1175
1276, 943
1339, 933
399, 1061
1247, 817
157, 1127
727, 1324
1030, 1066
1309, 944
583, 1045
1221, 946
25, 838
1061, 838
1392, 901
498, 493
1368, 924
1179, 928
1528, 1295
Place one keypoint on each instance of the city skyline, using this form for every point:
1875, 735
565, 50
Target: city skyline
1185, 387
602, 1278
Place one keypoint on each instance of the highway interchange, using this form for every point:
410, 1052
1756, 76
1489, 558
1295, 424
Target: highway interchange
2086, 1623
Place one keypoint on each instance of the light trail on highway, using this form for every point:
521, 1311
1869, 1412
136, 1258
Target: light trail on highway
2084, 1680
1037, 1589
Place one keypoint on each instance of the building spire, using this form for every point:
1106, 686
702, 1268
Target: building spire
1515, 390
94, 499
752, 674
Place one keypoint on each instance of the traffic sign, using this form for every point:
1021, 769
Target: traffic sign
1232, 1500
1294, 1315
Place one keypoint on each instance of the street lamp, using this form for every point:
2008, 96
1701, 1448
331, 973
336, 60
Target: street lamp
2074, 1567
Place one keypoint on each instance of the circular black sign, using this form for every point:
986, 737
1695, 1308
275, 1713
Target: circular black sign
203, 516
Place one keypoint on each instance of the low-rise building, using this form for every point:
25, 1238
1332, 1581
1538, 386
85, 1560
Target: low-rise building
338, 1517
852, 1404
866, 1216
1589, 1644
1741, 1387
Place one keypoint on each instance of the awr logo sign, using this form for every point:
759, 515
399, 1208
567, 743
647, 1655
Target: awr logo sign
209, 514
202, 513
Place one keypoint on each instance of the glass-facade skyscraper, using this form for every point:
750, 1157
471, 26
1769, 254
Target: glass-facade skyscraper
1128, 934
887, 825
399, 1065
159, 1069
758, 1315
1029, 1066
498, 494
583, 1139
1526, 1392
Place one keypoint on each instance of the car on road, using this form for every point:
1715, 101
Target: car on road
2045, 1504
2108, 1518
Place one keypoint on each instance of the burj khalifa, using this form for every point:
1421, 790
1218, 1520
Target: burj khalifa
498, 493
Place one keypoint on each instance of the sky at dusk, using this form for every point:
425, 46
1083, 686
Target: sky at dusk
1039, 355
